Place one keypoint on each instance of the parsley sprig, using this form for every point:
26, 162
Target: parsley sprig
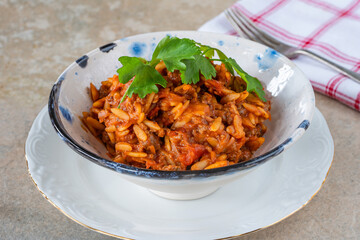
185, 55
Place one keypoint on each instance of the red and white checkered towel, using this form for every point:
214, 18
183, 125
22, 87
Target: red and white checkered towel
330, 28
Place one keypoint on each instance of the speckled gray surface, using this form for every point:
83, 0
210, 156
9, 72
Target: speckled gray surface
39, 38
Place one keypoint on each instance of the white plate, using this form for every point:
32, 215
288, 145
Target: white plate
99, 199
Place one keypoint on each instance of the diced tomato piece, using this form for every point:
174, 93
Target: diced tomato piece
194, 152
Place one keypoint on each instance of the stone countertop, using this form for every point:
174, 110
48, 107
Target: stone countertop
39, 39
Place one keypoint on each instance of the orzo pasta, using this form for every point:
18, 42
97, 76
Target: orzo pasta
212, 123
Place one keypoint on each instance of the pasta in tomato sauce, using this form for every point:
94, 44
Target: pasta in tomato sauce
210, 124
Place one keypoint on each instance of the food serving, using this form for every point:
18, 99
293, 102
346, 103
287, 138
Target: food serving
180, 110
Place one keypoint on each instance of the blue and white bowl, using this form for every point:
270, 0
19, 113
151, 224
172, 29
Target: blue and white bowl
290, 92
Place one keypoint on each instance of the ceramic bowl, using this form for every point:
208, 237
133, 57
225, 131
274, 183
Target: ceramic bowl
290, 92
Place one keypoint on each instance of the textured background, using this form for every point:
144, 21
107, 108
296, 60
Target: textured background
39, 38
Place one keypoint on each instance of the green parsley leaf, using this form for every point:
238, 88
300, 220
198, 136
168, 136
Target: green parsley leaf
253, 84
207, 51
173, 50
187, 56
222, 56
131, 66
146, 77
210, 52
161, 44
193, 68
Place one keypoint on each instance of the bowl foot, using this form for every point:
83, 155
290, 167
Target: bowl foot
184, 196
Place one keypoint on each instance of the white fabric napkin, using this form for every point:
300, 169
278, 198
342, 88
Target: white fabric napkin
330, 28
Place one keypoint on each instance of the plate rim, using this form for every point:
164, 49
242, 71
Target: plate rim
317, 111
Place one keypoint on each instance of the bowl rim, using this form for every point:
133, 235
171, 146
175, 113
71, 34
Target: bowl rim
53, 110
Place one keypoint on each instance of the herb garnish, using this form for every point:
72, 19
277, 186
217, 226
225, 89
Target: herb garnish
185, 55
